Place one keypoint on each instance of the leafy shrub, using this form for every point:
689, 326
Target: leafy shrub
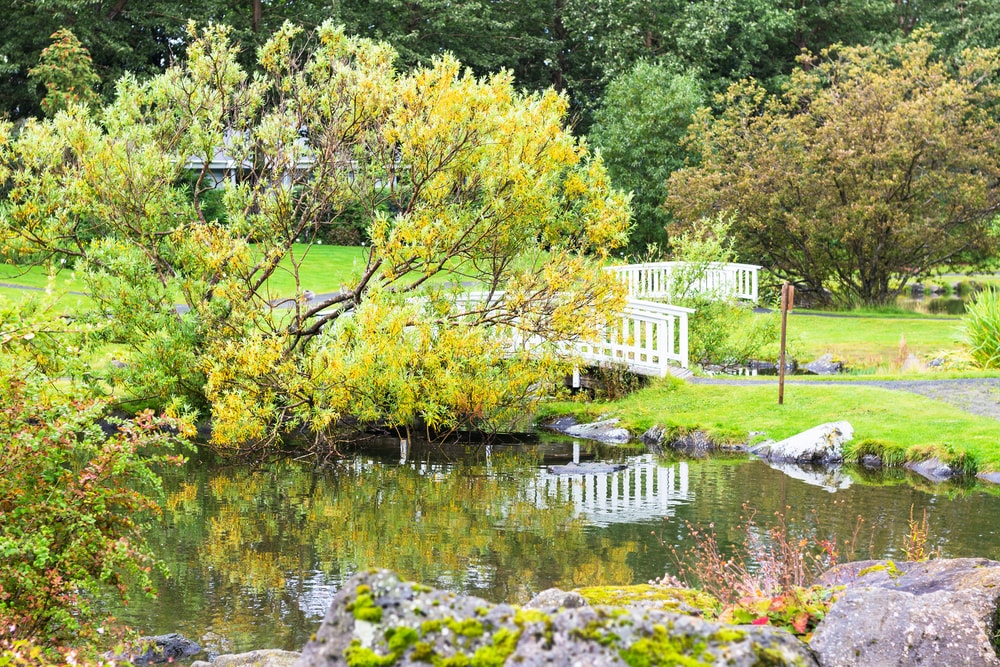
982, 328
76, 486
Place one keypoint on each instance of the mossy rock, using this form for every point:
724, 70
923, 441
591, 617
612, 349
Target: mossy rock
634, 625
667, 598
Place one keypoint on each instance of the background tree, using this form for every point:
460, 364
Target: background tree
873, 167
67, 73
643, 117
460, 180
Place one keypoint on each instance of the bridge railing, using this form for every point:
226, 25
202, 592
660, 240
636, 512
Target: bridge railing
647, 336
658, 280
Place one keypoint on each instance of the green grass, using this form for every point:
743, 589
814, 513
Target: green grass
880, 342
322, 268
895, 423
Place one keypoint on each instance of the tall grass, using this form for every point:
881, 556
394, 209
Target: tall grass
982, 328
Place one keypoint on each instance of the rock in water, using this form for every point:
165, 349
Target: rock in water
378, 619
159, 649
587, 468
606, 431
822, 444
939, 612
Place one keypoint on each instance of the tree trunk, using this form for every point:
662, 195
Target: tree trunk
258, 12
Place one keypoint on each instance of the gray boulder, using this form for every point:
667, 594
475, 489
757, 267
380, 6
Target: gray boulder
377, 616
822, 444
606, 431
555, 599
934, 469
825, 365
939, 612
263, 658
991, 477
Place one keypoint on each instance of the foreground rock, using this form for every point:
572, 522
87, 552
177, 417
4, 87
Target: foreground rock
823, 444
378, 619
263, 658
940, 612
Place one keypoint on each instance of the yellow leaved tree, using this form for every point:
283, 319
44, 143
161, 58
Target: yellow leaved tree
460, 184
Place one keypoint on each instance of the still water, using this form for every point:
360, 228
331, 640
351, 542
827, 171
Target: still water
255, 555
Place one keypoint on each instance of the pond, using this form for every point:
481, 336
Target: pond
256, 555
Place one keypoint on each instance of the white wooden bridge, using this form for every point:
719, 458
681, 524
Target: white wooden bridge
651, 336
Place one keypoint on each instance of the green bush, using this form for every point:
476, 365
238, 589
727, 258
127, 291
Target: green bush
76, 487
982, 328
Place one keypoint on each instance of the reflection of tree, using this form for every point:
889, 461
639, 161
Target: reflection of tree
254, 553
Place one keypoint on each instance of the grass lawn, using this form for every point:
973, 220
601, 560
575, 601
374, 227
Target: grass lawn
895, 424
873, 343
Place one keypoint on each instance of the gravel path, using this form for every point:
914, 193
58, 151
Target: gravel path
979, 396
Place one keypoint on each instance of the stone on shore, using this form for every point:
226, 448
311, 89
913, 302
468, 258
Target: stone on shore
823, 444
825, 365
933, 469
159, 649
938, 612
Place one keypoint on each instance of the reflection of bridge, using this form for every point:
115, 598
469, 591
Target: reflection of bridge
644, 491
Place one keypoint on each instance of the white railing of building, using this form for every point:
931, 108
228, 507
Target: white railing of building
657, 280
648, 337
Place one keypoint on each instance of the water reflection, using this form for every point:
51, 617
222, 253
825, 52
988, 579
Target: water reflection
256, 555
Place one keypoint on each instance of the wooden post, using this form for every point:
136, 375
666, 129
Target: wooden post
787, 302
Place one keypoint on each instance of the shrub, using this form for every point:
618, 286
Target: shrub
982, 328
769, 578
76, 487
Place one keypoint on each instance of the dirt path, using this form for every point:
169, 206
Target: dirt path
979, 396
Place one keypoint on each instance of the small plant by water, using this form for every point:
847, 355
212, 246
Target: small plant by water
769, 579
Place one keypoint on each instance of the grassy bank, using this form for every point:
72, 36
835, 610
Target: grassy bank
897, 425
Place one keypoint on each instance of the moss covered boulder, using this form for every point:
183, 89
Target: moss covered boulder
378, 620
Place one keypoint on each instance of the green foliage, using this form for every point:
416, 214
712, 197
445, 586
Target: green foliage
834, 188
453, 178
723, 330
67, 73
74, 499
982, 328
797, 609
644, 114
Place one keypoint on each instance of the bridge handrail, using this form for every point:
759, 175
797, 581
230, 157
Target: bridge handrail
655, 279
647, 336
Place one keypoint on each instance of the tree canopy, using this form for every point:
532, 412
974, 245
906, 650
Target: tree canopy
873, 166
463, 184
644, 116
